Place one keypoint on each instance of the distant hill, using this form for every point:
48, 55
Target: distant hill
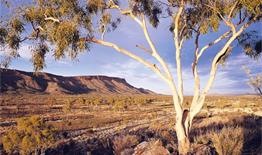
27, 82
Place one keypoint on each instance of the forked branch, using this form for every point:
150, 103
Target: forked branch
144, 49
197, 106
155, 54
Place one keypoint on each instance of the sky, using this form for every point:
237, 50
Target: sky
230, 78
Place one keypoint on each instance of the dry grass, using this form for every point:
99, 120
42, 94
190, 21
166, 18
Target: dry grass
230, 134
89, 118
228, 141
123, 143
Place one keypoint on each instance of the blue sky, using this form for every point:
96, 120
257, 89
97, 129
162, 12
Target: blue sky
230, 79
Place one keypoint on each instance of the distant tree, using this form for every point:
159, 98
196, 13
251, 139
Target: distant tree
30, 136
72, 26
67, 107
252, 46
254, 81
120, 104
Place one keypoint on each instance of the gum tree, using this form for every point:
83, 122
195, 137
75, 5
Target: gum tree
69, 27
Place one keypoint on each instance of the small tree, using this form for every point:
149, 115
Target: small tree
71, 27
255, 81
30, 136
67, 107
120, 104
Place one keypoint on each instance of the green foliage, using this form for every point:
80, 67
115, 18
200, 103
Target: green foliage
38, 58
120, 105
251, 43
70, 26
95, 6
3, 35
30, 135
149, 8
13, 41
34, 14
214, 22
252, 6
64, 35
17, 25
204, 28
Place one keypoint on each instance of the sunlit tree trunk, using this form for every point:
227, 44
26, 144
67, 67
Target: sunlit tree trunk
182, 131
184, 117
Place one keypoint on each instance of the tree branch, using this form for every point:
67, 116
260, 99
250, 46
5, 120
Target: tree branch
226, 21
144, 28
155, 54
153, 67
232, 10
195, 73
145, 49
52, 19
197, 106
225, 35
37, 29
178, 52
127, 12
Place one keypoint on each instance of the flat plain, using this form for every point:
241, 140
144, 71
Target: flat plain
86, 123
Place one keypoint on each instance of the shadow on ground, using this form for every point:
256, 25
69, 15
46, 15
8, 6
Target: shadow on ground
251, 125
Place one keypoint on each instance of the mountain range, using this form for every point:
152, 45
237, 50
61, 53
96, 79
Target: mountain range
29, 82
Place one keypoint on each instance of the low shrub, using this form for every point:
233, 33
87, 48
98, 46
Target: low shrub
227, 141
124, 142
30, 136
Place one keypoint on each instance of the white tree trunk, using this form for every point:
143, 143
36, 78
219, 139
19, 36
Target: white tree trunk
182, 131
184, 117
182, 127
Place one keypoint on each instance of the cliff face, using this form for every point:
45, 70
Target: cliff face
27, 82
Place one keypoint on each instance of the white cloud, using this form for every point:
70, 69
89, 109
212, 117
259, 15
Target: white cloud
225, 82
24, 51
241, 60
232, 78
136, 74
